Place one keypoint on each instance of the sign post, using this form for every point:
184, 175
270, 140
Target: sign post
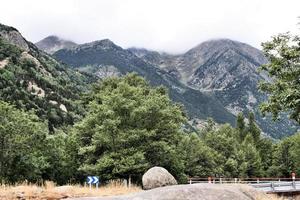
93, 180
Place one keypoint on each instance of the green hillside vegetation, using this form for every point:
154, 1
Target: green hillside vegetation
52, 84
129, 127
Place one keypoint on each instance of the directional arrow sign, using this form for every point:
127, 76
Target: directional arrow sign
96, 179
92, 179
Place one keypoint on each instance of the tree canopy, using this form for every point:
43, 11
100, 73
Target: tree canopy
283, 54
129, 127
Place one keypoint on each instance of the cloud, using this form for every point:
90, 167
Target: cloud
166, 25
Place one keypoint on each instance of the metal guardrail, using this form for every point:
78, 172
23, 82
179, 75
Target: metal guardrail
268, 185
278, 187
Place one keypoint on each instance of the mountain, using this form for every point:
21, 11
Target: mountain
53, 43
226, 69
104, 58
32, 80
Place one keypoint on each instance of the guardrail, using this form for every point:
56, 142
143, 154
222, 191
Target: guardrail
269, 185
278, 187
222, 180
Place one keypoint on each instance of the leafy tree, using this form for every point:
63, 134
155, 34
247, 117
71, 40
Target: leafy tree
226, 144
287, 156
210, 126
22, 138
252, 158
199, 159
283, 54
129, 127
265, 147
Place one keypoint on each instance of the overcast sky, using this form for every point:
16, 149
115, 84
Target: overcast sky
166, 25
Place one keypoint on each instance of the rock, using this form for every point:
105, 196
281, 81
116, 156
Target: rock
63, 108
64, 189
202, 191
157, 177
3, 63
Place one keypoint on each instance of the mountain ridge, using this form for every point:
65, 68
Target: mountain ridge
228, 70
98, 58
54, 43
223, 69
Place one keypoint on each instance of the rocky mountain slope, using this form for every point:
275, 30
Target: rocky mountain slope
104, 58
32, 80
53, 43
226, 69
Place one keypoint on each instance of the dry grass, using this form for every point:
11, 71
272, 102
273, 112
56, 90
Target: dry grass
50, 192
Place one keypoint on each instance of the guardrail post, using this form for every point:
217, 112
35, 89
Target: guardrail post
190, 181
294, 184
257, 180
272, 186
220, 180
235, 180
293, 178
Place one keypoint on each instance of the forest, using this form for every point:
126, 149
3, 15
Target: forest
130, 126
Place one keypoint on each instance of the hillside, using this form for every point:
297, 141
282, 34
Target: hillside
53, 43
32, 80
104, 58
226, 69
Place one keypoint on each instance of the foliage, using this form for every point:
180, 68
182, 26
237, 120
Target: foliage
283, 53
22, 137
129, 128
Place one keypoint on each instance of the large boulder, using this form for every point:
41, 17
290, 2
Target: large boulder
157, 177
201, 191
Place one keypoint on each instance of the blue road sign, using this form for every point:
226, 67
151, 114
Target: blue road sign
92, 180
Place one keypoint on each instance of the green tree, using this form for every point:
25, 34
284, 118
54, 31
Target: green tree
253, 129
199, 159
283, 54
129, 127
241, 126
225, 142
253, 165
287, 156
22, 138
265, 147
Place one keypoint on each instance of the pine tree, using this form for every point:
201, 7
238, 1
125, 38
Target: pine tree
241, 126
253, 128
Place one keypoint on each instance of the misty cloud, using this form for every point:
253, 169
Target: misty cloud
167, 25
